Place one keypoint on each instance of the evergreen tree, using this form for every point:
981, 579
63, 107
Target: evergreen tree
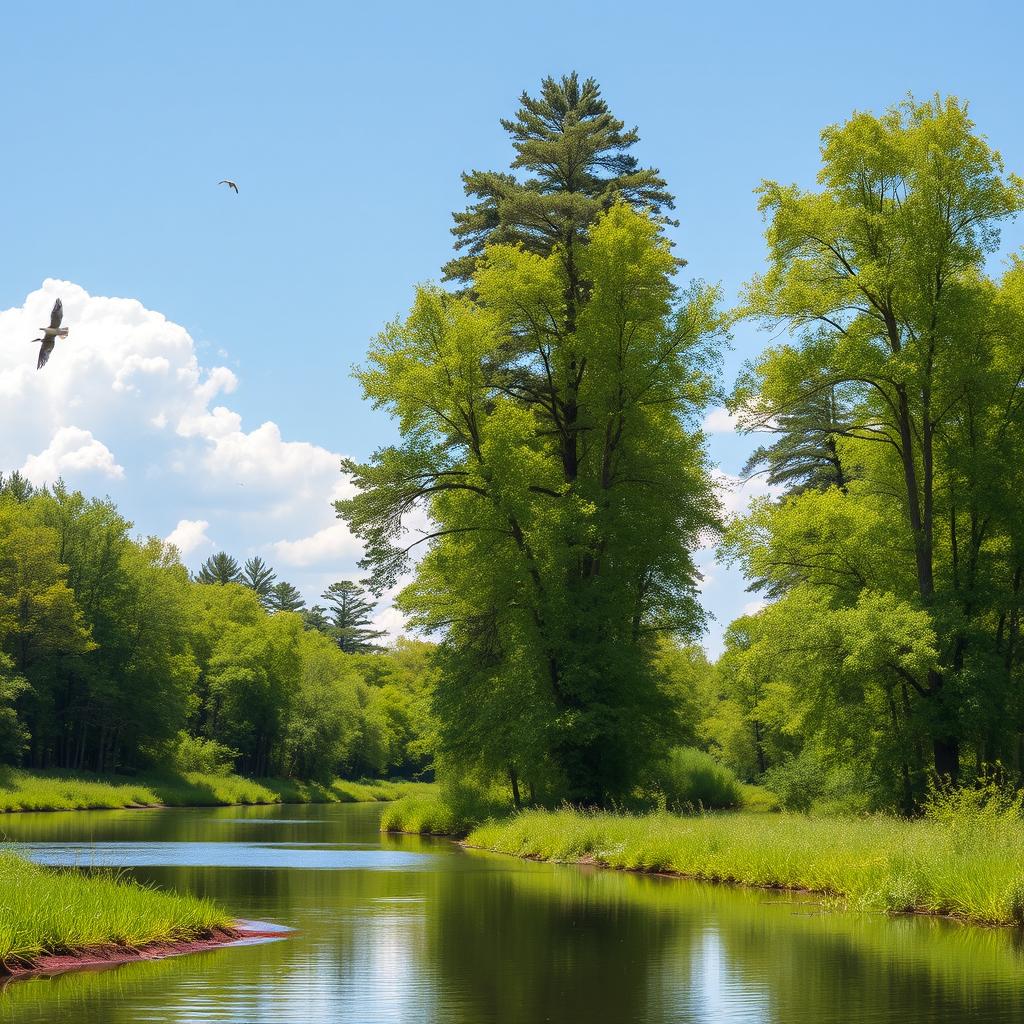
17, 486
219, 568
285, 598
258, 576
316, 619
351, 613
576, 164
805, 456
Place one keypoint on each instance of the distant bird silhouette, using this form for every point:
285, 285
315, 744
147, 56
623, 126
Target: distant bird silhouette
229, 183
51, 334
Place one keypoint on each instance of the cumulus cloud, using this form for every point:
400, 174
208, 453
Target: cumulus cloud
125, 407
71, 451
719, 421
753, 607
189, 535
331, 543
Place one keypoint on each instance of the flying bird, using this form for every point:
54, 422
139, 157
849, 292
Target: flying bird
51, 334
229, 183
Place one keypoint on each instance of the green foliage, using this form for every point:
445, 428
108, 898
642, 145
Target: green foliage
285, 598
453, 810
220, 568
350, 613
691, 780
577, 165
111, 658
561, 550
195, 754
798, 781
259, 577
896, 553
59, 911
955, 862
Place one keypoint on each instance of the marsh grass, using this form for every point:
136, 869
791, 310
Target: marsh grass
451, 809
43, 911
44, 791
964, 859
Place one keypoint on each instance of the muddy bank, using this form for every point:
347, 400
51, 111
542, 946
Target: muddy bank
112, 954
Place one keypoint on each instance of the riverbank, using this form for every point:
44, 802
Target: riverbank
56, 919
46, 791
963, 860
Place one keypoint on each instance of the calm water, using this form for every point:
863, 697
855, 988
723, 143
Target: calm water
408, 930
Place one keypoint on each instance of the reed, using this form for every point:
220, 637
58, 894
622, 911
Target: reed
45, 911
964, 858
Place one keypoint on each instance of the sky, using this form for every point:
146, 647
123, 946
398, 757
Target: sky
206, 385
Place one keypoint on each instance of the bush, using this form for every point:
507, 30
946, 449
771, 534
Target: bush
690, 779
798, 781
194, 754
456, 808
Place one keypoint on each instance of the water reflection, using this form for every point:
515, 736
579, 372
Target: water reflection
403, 929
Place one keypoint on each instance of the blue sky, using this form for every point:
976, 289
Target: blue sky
346, 128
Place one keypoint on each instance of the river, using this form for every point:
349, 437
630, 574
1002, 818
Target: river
402, 929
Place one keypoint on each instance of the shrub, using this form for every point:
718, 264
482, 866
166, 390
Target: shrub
690, 780
195, 754
798, 781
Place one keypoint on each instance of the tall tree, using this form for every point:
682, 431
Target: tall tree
575, 163
258, 576
564, 514
220, 568
880, 274
351, 615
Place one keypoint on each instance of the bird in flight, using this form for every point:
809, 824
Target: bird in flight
229, 183
51, 334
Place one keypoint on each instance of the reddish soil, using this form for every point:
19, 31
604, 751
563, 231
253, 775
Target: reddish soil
112, 954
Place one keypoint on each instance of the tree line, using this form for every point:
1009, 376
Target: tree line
113, 658
549, 406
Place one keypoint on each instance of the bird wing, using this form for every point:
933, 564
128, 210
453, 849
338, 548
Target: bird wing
44, 351
56, 315
229, 183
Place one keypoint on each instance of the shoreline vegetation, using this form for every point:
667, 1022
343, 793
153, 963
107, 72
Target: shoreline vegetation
56, 919
64, 791
963, 859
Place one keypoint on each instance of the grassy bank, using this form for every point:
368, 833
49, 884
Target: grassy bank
965, 858
45, 911
44, 791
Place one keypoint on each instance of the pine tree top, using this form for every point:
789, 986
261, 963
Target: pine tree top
576, 164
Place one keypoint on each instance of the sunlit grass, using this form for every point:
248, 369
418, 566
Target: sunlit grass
966, 861
43, 910
43, 791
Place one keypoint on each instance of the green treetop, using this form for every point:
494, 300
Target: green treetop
575, 163
219, 568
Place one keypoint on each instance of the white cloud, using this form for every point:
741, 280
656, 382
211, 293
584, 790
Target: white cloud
124, 406
736, 492
753, 607
719, 421
190, 535
331, 544
71, 451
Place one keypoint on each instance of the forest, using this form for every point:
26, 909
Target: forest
548, 398
112, 659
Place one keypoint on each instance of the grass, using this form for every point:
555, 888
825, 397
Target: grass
45, 911
44, 791
964, 858
449, 810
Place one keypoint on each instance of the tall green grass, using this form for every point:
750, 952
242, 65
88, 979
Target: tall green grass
60, 911
965, 858
43, 791
451, 809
